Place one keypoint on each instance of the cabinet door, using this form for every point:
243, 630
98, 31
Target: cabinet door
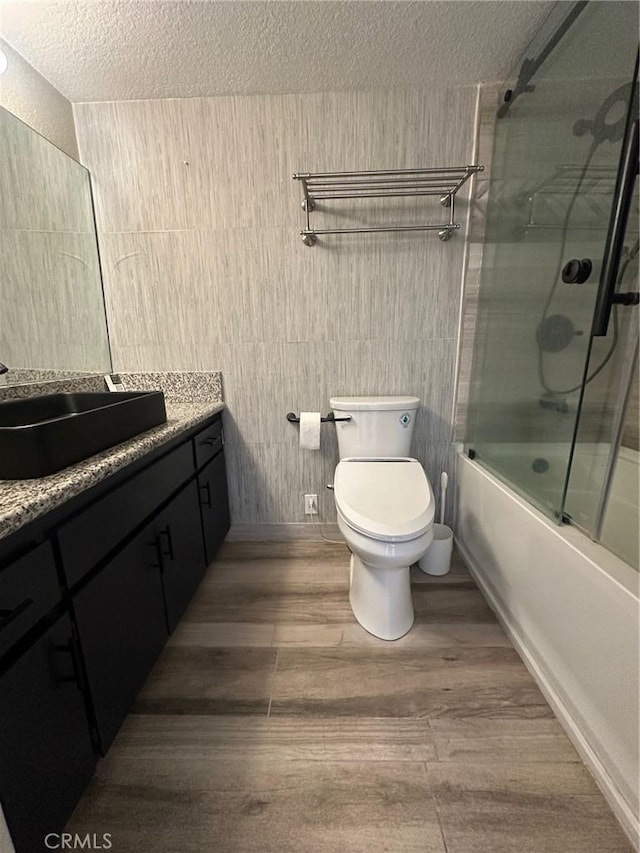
214, 502
179, 534
122, 626
46, 757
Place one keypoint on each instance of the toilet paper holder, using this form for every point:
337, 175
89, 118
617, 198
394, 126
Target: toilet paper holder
295, 419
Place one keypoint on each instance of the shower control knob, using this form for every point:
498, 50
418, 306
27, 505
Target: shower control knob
576, 272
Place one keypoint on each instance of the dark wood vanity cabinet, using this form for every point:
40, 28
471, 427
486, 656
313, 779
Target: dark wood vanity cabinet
85, 614
126, 612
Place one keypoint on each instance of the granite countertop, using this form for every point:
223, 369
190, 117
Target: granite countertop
21, 501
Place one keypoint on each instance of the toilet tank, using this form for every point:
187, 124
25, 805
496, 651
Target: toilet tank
379, 426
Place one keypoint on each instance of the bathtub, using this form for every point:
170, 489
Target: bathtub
621, 530
571, 608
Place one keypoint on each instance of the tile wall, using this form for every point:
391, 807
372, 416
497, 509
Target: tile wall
204, 268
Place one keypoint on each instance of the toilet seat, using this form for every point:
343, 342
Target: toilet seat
389, 500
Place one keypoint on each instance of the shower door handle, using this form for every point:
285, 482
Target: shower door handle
615, 237
576, 272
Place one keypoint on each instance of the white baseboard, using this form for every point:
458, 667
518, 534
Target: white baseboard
282, 532
536, 667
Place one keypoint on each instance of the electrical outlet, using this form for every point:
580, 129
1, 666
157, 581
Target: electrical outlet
310, 504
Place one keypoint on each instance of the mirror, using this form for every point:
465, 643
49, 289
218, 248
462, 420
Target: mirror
52, 316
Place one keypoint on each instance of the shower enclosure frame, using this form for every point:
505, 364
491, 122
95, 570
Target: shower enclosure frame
603, 299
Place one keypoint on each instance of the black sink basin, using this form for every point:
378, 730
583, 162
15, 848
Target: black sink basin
41, 435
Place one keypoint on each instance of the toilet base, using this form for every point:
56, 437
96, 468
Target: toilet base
381, 599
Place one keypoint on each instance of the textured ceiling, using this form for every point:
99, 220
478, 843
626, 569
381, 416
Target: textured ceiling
93, 50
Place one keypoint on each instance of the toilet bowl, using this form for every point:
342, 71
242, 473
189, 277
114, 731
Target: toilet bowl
385, 509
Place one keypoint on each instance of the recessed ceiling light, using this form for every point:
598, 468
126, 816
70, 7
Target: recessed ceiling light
3, 61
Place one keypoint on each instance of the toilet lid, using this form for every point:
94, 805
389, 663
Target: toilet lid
387, 499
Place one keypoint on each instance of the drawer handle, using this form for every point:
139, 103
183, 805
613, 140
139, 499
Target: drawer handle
167, 533
210, 442
205, 488
7, 616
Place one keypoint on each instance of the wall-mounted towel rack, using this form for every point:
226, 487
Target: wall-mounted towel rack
399, 183
330, 419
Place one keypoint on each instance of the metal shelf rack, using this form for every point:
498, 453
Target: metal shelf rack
399, 183
592, 181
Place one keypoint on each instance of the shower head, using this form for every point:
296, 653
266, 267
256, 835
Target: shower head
555, 333
610, 119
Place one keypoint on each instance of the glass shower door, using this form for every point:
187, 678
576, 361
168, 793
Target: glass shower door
557, 146
603, 495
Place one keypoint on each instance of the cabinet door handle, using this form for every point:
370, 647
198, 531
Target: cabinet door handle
166, 531
158, 553
205, 498
7, 616
209, 442
71, 648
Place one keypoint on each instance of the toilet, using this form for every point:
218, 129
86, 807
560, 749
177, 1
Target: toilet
385, 508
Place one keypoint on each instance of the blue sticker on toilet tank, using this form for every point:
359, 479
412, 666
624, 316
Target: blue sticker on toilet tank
405, 419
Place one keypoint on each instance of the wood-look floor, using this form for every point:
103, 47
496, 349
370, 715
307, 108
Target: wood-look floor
273, 722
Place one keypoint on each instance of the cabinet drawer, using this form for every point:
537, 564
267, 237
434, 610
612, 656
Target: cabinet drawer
29, 589
208, 442
90, 536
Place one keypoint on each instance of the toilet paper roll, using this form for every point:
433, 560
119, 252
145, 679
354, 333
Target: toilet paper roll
310, 430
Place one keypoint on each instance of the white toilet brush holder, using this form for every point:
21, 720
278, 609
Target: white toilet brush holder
437, 560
